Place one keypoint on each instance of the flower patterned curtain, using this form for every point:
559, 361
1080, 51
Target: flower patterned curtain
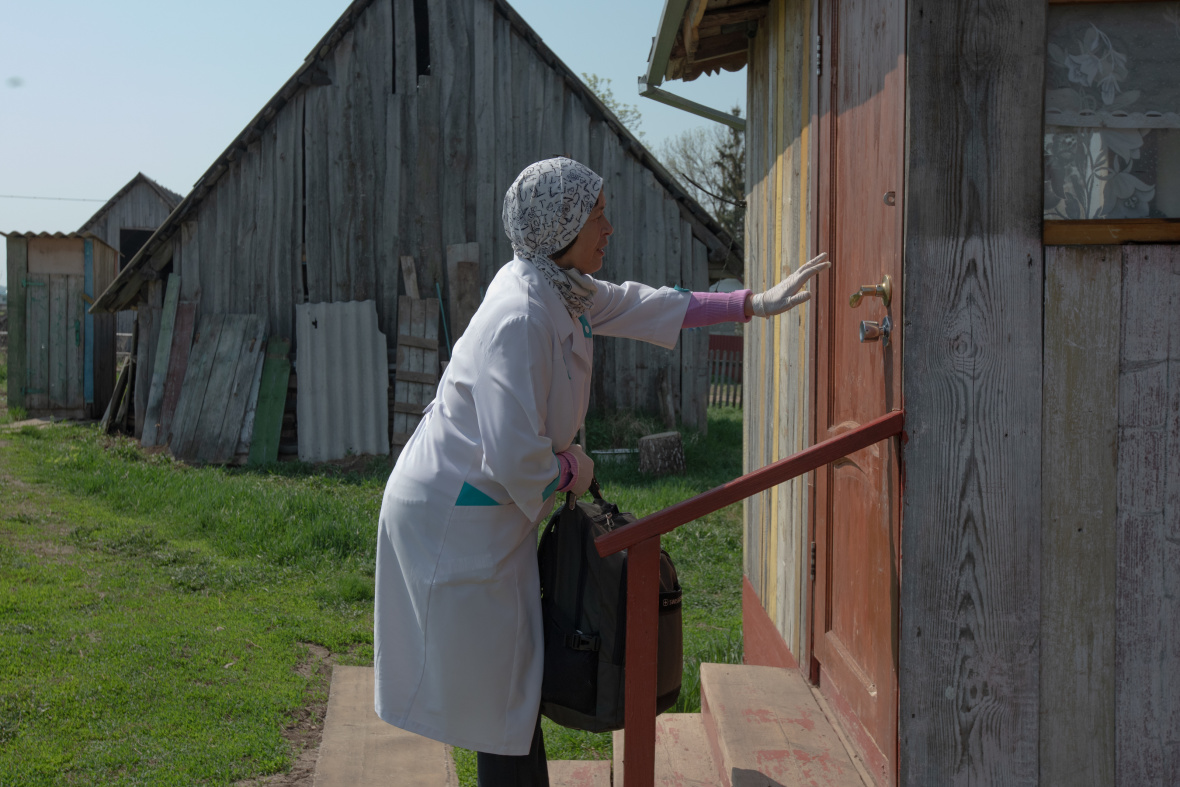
1112, 111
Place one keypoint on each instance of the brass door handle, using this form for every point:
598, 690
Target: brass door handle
884, 291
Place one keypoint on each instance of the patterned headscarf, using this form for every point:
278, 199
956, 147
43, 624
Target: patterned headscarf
544, 210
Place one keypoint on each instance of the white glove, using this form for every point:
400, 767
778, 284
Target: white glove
786, 294
584, 473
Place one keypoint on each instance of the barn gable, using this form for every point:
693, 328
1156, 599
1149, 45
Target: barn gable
397, 138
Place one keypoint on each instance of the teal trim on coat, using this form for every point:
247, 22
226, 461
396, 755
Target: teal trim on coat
678, 288
470, 496
585, 326
551, 488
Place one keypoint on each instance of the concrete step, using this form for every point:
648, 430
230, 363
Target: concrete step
579, 773
766, 728
360, 750
683, 756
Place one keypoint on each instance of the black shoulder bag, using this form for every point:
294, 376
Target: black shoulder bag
584, 604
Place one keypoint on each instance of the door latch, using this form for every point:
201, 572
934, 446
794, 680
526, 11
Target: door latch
872, 331
884, 291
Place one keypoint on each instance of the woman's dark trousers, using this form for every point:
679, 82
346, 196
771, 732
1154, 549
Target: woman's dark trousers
506, 770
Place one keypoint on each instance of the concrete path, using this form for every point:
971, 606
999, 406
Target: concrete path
360, 750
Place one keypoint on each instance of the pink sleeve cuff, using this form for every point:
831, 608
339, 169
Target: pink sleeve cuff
710, 308
567, 471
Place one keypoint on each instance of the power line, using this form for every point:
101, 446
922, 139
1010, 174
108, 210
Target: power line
59, 199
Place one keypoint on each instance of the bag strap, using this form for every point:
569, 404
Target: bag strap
595, 490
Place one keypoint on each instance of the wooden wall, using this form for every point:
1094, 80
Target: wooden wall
141, 208
777, 369
971, 536
1110, 644
371, 161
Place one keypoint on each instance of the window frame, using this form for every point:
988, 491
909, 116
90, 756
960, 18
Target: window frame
1086, 232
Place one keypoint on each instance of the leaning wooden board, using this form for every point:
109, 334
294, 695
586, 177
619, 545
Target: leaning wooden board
182, 341
272, 400
230, 378
155, 400
417, 365
217, 384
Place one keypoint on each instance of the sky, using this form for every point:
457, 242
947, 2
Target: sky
93, 92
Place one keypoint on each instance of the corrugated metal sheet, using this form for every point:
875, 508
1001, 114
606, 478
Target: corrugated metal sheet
343, 370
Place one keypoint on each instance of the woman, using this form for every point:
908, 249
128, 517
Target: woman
457, 621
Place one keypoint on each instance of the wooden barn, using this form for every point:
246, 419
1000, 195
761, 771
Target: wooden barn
393, 146
991, 596
61, 360
128, 219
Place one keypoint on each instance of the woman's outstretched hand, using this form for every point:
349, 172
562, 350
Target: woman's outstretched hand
789, 292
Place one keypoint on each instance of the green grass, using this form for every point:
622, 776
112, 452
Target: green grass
162, 624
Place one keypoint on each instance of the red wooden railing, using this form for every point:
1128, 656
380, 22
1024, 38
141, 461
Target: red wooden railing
642, 538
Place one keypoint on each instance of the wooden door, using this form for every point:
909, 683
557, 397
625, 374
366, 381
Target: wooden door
55, 329
858, 508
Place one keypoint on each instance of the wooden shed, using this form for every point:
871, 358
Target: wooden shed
128, 219
994, 596
396, 139
61, 359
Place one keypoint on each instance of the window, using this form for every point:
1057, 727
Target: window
1112, 119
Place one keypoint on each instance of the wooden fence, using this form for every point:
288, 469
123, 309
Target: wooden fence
725, 371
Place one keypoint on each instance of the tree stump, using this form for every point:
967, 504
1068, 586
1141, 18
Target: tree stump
661, 454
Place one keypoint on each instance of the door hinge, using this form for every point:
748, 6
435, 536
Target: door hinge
812, 561
819, 55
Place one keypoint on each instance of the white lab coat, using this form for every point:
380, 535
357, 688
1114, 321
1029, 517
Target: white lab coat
457, 619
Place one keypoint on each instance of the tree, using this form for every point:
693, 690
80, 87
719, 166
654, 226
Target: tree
628, 114
711, 164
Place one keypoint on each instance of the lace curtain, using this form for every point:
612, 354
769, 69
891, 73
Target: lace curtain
1112, 111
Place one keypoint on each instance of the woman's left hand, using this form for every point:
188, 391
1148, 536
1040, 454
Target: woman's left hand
789, 292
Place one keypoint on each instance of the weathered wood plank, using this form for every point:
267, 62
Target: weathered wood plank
969, 642
504, 130
417, 365
220, 405
37, 326
155, 399
317, 253
391, 215
78, 340
149, 334
485, 138
1147, 721
18, 350
236, 397
405, 67
452, 68
272, 400
410, 277
246, 433
1079, 471
427, 238
196, 380
287, 277
107, 422
344, 171
182, 340
61, 345
463, 285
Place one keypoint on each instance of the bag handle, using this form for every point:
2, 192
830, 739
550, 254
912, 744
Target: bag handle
595, 489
